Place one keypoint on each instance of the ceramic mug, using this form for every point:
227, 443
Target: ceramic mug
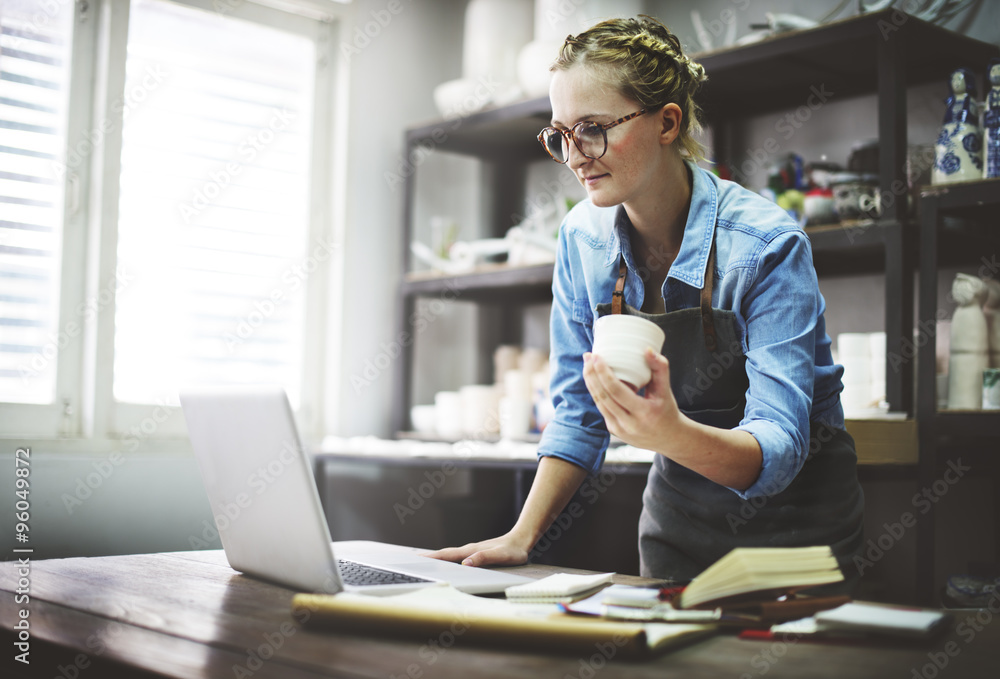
856, 200
448, 414
424, 419
622, 340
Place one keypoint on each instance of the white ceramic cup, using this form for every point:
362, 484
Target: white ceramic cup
622, 340
517, 384
448, 414
515, 417
423, 418
479, 409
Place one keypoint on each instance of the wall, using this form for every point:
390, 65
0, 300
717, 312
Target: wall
110, 503
392, 81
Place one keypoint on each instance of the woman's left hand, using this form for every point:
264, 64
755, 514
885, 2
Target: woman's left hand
640, 421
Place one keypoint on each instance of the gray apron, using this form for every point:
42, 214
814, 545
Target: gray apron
688, 522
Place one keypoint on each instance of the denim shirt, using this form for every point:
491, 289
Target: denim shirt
764, 274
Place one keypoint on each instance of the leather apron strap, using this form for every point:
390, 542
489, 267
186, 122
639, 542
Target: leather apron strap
619, 294
707, 322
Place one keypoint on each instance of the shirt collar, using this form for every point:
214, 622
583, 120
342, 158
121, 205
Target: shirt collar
689, 265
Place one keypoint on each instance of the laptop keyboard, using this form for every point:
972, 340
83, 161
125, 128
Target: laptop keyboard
359, 575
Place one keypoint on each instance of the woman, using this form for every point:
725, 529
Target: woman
743, 408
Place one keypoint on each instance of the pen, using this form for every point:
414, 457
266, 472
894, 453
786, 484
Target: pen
757, 635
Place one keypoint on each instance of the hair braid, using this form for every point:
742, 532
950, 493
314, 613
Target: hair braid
646, 63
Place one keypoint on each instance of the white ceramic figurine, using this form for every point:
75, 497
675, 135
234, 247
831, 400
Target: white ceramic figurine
969, 354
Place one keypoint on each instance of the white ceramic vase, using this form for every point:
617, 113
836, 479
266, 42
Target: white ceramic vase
533, 64
554, 20
494, 33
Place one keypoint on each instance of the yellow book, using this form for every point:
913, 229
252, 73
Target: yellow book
762, 571
443, 611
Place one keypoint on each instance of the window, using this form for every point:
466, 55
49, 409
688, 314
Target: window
213, 225
166, 173
34, 76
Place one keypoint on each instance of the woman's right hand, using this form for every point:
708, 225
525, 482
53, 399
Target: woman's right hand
506, 550
555, 482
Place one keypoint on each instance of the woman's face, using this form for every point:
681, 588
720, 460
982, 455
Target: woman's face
634, 152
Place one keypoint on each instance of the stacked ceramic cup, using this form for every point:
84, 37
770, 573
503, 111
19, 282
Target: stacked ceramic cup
863, 356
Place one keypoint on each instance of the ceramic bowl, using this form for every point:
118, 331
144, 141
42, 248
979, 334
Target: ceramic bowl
622, 340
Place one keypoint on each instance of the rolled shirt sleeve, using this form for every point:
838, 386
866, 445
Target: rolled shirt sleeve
577, 432
780, 311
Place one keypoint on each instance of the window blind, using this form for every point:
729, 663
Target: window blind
34, 74
213, 232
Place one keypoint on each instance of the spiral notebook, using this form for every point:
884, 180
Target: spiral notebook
560, 588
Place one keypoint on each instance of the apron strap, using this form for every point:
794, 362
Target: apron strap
619, 294
707, 322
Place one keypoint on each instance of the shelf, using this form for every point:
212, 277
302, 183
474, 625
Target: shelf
837, 60
491, 283
881, 442
833, 61
959, 425
488, 438
885, 441
499, 133
864, 242
855, 247
427, 461
843, 236
974, 200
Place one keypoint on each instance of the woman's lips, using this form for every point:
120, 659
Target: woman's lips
593, 179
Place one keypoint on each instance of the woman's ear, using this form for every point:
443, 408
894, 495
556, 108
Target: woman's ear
670, 123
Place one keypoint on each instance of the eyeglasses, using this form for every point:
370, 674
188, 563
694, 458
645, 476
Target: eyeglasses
590, 138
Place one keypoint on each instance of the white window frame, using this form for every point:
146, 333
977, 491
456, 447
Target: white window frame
61, 418
85, 407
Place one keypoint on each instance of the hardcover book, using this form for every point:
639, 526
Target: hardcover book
749, 574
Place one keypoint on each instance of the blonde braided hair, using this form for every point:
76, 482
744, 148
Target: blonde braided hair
644, 61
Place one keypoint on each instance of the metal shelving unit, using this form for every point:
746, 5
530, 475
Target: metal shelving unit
881, 53
976, 434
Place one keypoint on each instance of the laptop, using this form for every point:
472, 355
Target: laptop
263, 495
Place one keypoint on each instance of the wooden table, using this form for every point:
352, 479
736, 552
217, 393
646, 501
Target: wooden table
189, 615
